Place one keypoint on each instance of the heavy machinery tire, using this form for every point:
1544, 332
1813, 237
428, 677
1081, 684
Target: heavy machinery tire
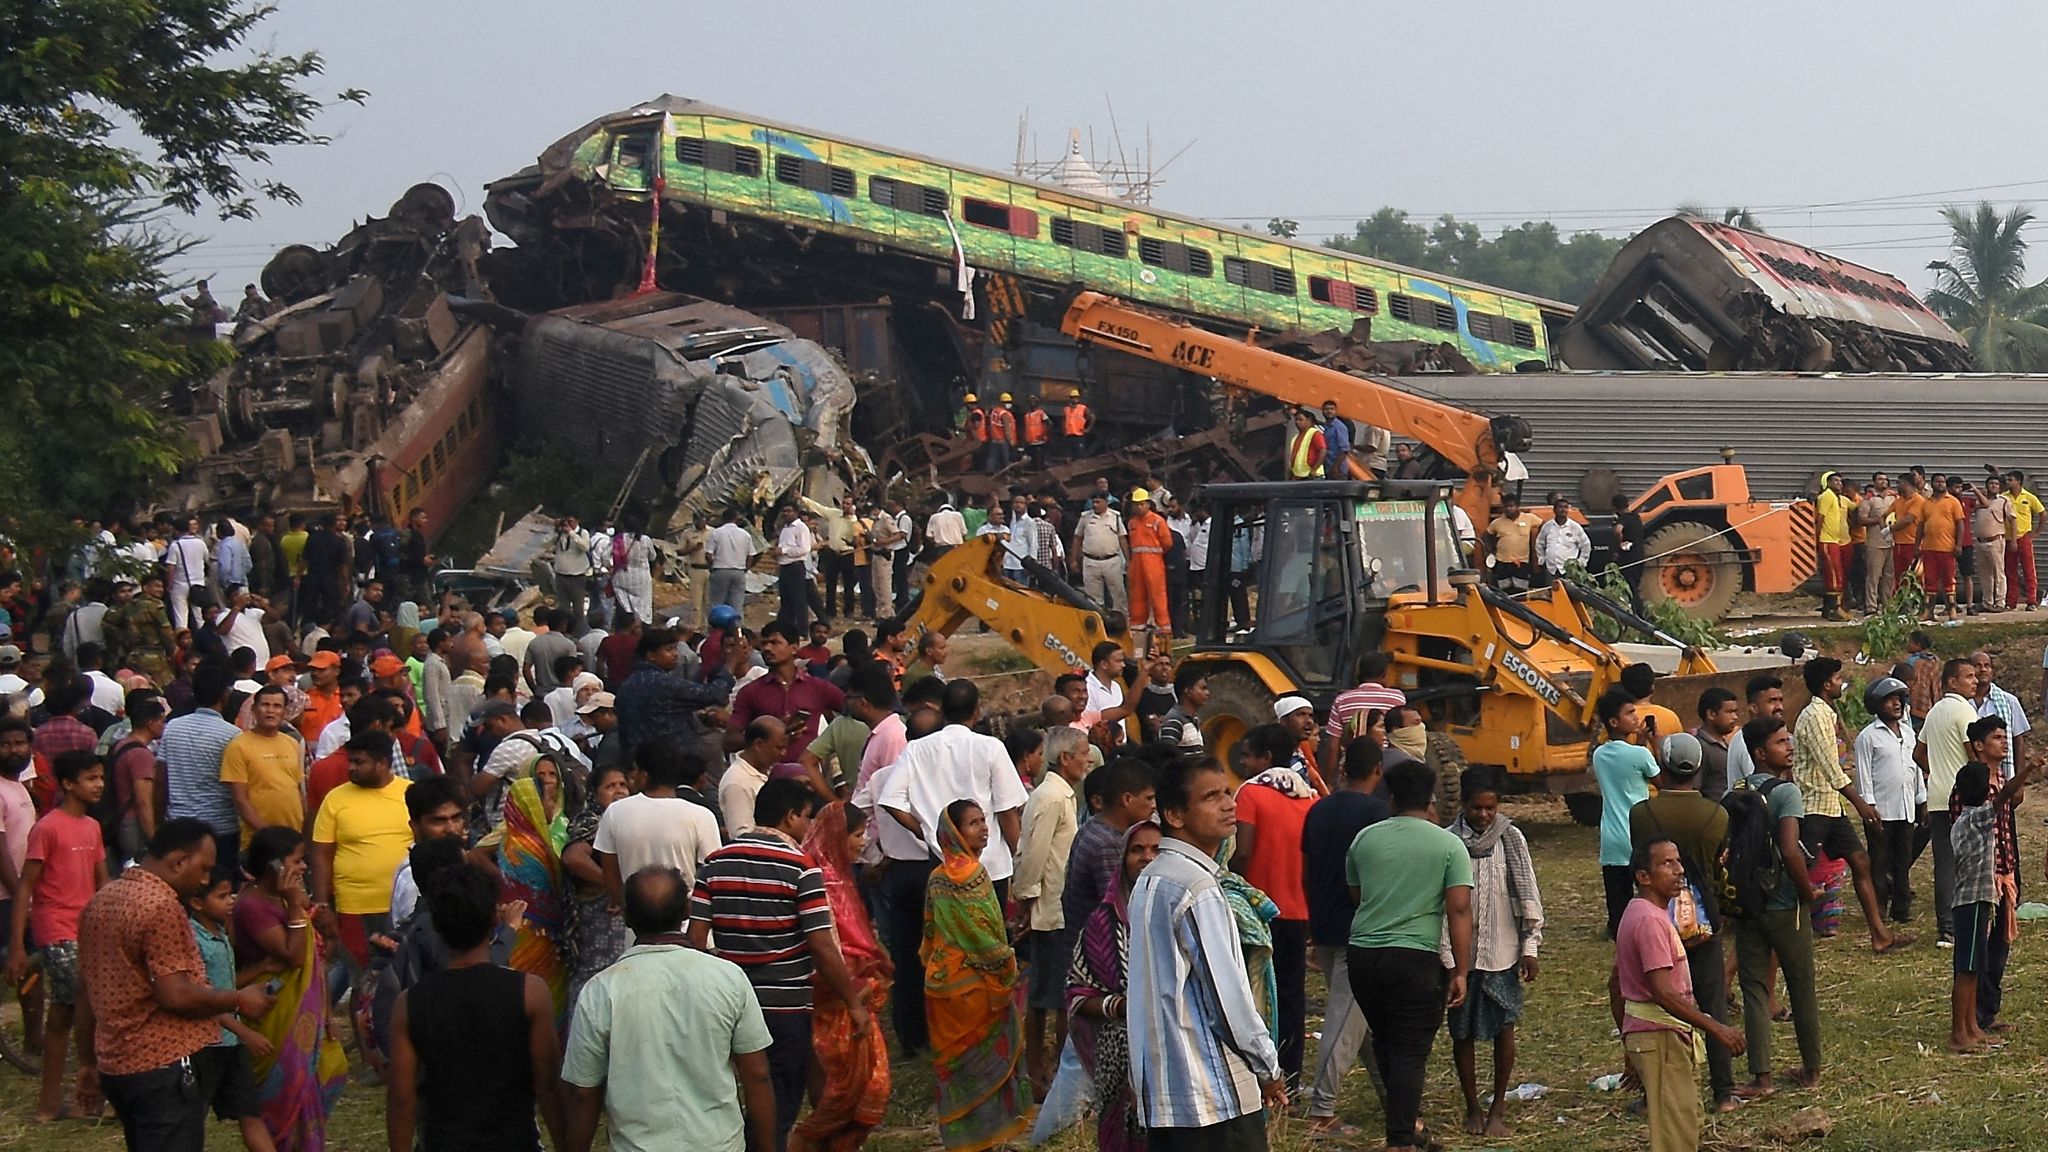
1447, 760
1238, 702
1694, 567
1584, 808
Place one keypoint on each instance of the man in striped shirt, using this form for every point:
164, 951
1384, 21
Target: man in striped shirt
764, 902
1202, 1062
1371, 695
191, 749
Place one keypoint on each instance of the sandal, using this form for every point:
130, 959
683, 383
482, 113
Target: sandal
1899, 940
1331, 1128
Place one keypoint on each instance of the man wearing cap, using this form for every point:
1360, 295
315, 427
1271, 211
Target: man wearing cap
1075, 424
1101, 553
11, 682
1298, 716
1149, 538
1887, 777
1834, 508
598, 718
1002, 435
323, 699
1700, 829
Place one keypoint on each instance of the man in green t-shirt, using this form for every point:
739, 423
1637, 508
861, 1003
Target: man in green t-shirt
1411, 879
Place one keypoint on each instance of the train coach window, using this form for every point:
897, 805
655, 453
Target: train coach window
815, 175
1259, 277
1001, 217
1426, 312
1086, 237
719, 156
905, 197
1175, 257
1341, 294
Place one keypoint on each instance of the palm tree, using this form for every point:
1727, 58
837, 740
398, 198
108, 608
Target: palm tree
1982, 289
1737, 217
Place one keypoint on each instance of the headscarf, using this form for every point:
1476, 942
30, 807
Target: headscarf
1254, 912
407, 616
964, 911
826, 844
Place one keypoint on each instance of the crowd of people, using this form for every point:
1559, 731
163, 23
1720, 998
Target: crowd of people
255, 818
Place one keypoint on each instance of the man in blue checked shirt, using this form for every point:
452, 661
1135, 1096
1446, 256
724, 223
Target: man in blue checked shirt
1203, 1066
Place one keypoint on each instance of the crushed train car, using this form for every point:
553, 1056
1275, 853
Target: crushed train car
1687, 294
721, 405
355, 385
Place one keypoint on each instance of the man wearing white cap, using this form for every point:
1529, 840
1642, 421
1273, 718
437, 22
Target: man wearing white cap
1298, 716
597, 722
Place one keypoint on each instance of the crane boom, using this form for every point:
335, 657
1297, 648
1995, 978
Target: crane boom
1475, 444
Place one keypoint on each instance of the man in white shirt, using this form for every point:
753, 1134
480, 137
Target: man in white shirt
1105, 681
1562, 540
1943, 748
945, 529
729, 550
656, 825
766, 741
958, 763
904, 865
572, 571
1887, 777
793, 547
1100, 553
186, 562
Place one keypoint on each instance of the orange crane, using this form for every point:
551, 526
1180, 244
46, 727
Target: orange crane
1481, 448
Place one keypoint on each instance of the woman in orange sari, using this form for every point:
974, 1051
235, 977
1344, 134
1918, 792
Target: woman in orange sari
970, 993
856, 1067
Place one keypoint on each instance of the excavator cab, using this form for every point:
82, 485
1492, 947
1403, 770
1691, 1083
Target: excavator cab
1299, 581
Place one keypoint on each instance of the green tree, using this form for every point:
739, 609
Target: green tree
1532, 257
91, 343
1982, 289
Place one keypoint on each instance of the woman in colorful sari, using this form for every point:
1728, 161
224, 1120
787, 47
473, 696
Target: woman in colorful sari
1095, 996
526, 852
970, 993
298, 1082
856, 1067
596, 933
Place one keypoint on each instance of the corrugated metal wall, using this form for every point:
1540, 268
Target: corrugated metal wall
1784, 429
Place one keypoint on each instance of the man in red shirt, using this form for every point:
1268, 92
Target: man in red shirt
787, 692
1271, 807
1150, 537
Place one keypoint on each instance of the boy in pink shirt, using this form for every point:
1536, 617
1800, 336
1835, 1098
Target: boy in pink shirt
66, 863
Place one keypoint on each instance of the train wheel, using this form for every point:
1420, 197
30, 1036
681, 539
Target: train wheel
1238, 702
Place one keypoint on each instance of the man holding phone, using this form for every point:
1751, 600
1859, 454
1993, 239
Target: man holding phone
787, 692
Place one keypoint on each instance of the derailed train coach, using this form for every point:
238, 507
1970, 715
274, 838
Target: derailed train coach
1694, 295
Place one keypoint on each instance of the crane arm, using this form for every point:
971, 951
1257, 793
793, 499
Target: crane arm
1464, 439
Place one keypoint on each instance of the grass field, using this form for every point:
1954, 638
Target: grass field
1889, 1082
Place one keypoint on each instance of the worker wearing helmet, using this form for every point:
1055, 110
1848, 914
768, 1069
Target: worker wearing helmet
1149, 538
973, 419
1002, 435
1887, 778
1075, 424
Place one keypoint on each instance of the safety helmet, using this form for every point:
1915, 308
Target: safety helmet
1073, 393
1140, 495
1005, 398
969, 398
1883, 690
724, 616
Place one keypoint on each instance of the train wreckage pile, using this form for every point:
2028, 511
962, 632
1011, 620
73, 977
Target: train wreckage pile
382, 373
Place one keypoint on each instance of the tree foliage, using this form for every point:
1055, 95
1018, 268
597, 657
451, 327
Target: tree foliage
1982, 289
1532, 257
91, 342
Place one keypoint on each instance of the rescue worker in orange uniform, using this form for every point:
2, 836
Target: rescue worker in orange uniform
1150, 537
1037, 429
1002, 435
1075, 424
1305, 447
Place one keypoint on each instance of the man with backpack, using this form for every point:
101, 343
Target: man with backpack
1770, 896
1699, 827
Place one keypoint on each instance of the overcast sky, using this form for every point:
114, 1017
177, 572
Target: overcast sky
1824, 119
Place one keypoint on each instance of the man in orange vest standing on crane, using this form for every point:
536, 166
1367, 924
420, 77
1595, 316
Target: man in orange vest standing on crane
1305, 447
1150, 537
1075, 424
1037, 430
1002, 435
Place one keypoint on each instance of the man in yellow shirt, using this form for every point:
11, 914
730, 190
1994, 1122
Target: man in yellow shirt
360, 838
1835, 508
2027, 510
264, 768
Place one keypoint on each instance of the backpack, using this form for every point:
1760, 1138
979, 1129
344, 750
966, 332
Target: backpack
1755, 868
1696, 910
